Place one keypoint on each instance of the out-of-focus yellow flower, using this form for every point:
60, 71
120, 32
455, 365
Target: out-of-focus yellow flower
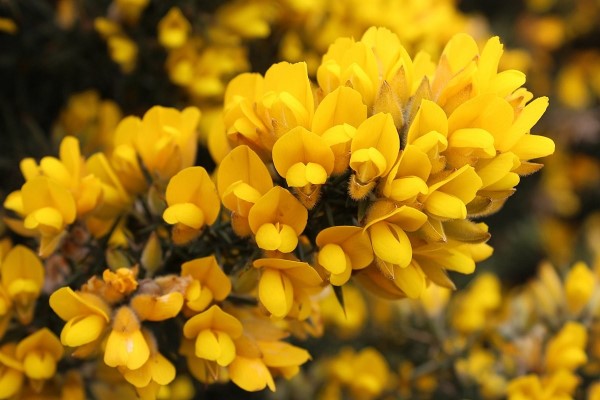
126, 345
86, 316
566, 350
214, 331
182, 388
22, 275
123, 51
479, 366
39, 352
131, 10
11, 371
365, 373
342, 250
277, 219
173, 29
580, 283
9, 26
242, 179
209, 282
349, 320
474, 307
192, 201
285, 285
557, 386
245, 19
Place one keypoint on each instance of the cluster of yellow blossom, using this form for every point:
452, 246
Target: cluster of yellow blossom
374, 174
408, 149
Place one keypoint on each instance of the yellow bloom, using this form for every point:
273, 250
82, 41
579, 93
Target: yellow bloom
448, 197
242, 179
157, 307
123, 51
157, 371
22, 276
342, 250
428, 132
126, 345
209, 282
165, 139
86, 314
349, 320
579, 287
366, 373
173, 29
407, 179
11, 371
124, 158
374, 151
39, 353
214, 331
336, 118
123, 281
284, 284
566, 350
257, 110
277, 219
192, 201
305, 160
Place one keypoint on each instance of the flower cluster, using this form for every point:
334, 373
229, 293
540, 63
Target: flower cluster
414, 149
161, 269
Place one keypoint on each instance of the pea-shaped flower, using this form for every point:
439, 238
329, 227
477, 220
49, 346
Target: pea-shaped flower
22, 277
11, 371
214, 331
277, 219
285, 283
39, 352
374, 148
408, 177
342, 250
192, 202
173, 29
126, 345
86, 314
242, 179
209, 282
305, 161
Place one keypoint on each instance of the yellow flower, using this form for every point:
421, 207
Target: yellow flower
209, 282
448, 197
277, 219
305, 160
126, 345
579, 287
22, 276
123, 281
39, 353
242, 179
86, 314
11, 371
166, 139
192, 201
336, 118
257, 110
566, 350
173, 29
124, 158
123, 51
157, 371
408, 178
366, 373
214, 331
157, 307
429, 133
349, 320
374, 151
342, 250
284, 284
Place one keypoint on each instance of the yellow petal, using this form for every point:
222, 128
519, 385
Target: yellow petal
533, 146
126, 349
333, 259
390, 243
445, 206
82, 330
342, 106
411, 280
250, 374
276, 292
186, 213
